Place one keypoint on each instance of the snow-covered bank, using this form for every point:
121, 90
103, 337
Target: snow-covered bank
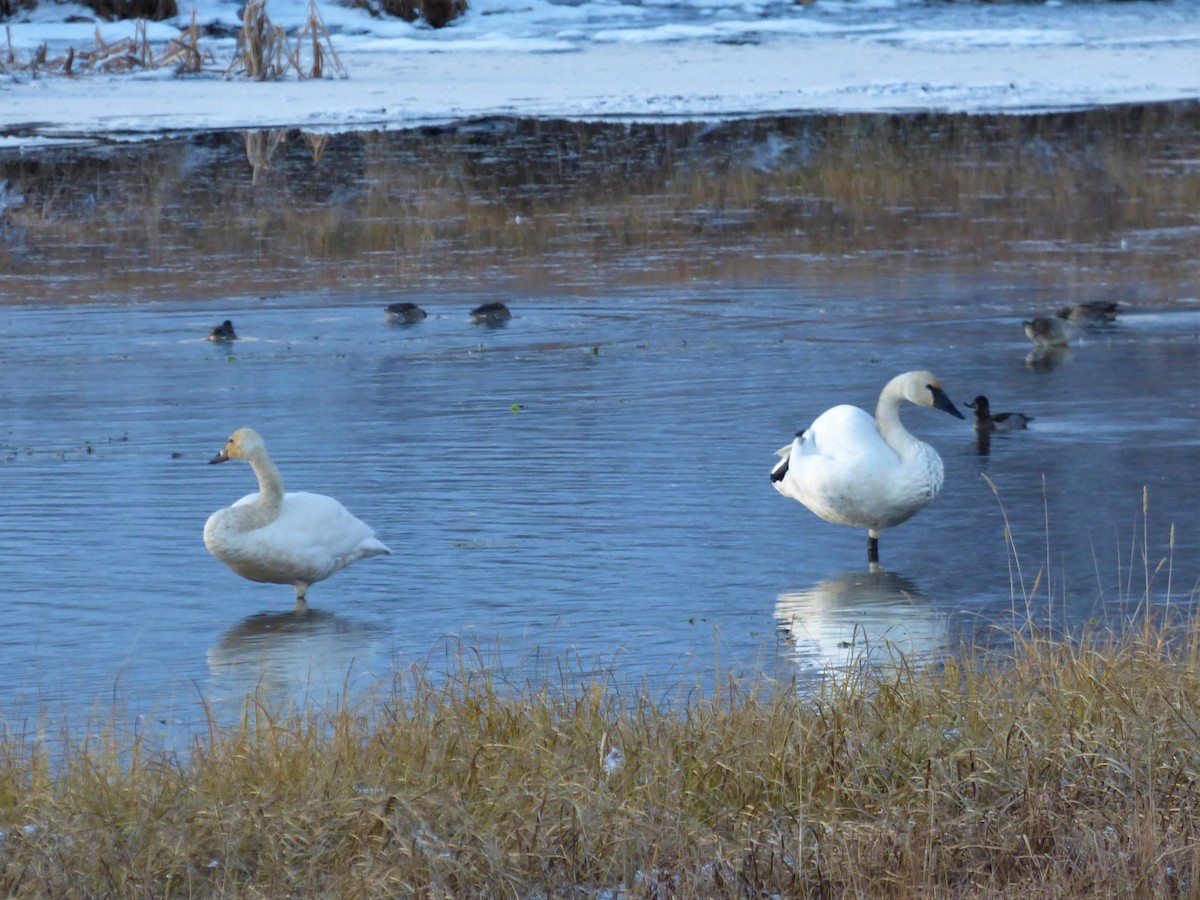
612, 60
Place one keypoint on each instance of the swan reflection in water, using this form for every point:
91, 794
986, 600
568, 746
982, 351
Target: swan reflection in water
292, 658
859, 617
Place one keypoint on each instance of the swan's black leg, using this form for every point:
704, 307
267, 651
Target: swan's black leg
301, 600
872, 549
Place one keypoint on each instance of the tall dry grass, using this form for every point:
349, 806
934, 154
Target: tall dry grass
265, 52
537, 203
136, 53
436, 13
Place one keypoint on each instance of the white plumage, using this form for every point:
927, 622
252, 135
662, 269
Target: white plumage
280, 538
851, 469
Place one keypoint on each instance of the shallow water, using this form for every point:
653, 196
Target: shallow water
588, 483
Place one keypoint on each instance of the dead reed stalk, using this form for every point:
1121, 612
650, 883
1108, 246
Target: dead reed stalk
260, 148
134, 53
262, 47
265, 53
316, 35
316, 144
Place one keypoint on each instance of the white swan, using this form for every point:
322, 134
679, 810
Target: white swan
851, 469
297, 539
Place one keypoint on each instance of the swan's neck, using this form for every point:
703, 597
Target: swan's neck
887, 418
266, 508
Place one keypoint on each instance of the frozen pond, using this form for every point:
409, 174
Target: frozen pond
586, 487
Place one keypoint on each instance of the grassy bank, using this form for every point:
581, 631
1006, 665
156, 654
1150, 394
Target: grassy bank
1056, 771
551, 206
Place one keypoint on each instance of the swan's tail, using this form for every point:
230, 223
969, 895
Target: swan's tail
785, 454
781, 467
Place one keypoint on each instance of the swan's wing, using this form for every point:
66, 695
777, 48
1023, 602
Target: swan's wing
317, 534
842, 469
824, 454
843, 433
323, 521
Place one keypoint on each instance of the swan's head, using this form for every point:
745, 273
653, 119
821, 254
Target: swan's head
242, 444
923, 389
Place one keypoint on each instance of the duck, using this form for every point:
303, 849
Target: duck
852, 469
223, 332
494, 313
1049, 331
1091, 312
985, 421
404, 313
284, 538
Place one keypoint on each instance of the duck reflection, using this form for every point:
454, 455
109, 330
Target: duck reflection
983, 442
285, 658
856, 618
1047, 359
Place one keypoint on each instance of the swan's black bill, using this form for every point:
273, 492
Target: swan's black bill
942, 402
219, 458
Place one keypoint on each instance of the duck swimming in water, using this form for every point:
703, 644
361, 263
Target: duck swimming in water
852, 469
1049, 331
404, 313
1091, 312
494, 313
986, 421
223, 332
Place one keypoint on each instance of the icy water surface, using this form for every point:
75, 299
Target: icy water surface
589, 481
584, 490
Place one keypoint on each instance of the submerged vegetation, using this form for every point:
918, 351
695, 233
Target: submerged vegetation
1060, 770
1109, 195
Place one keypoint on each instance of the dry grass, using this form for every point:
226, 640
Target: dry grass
436, 13
1061, 770
538, 203
265, 53
126, 55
